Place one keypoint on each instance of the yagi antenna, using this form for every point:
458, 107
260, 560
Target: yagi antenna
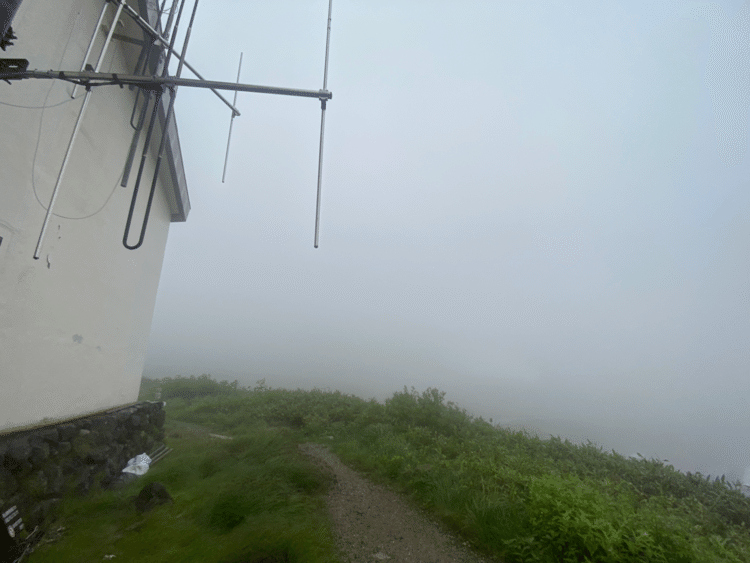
154, 86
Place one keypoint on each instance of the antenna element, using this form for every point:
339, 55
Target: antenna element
322, 128
231, 122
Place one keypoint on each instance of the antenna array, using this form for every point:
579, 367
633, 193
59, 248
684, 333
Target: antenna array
154, 86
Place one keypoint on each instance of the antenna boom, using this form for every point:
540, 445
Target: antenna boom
157, 82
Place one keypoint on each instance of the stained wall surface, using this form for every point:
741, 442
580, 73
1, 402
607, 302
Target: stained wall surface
74, 324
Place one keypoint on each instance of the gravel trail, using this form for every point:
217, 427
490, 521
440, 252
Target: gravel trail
372, 523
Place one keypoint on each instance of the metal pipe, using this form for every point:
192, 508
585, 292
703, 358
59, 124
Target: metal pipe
320, 175
169, 19
136, 138
322, 129
146, 144
135, 107
76, 128
163, 142
147, 99
145, 25
231, 122
328, 43
91, 43
143, 58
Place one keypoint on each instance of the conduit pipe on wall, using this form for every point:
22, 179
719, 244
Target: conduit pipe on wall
73, 136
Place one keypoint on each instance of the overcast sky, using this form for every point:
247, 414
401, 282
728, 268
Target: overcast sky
539, 208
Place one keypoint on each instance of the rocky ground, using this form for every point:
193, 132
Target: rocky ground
372, 523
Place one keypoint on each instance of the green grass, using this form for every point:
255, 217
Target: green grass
512, 495
254, 498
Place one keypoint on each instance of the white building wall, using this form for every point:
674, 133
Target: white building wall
74, 325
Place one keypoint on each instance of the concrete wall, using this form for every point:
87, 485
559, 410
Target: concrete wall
74, 325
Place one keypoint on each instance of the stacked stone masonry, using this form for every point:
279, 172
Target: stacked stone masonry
38, 467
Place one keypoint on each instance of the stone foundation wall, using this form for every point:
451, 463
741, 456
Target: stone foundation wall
38, 467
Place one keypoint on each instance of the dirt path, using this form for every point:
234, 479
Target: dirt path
372, 523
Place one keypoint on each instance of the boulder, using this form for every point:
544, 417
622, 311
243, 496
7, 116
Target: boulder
152, 495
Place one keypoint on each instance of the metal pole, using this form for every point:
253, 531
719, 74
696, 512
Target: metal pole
76, 128
146, 100
169, 19
91, 43
156, 35
322, 129
231, 122
136, 138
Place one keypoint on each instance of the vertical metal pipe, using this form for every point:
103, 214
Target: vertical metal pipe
136, 138
320, 173
322, 129
169, 19
91, 44
231, 122
328, 43
73, 136
141, 120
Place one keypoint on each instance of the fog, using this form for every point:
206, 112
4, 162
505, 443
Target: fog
539, 208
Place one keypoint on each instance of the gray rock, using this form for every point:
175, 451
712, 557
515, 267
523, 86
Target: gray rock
67, 431
82, 444
103, 424
63, 448
39, 454
50, 435
19, 450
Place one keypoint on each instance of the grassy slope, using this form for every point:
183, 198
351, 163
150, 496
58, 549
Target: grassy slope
254, 498
512, 495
